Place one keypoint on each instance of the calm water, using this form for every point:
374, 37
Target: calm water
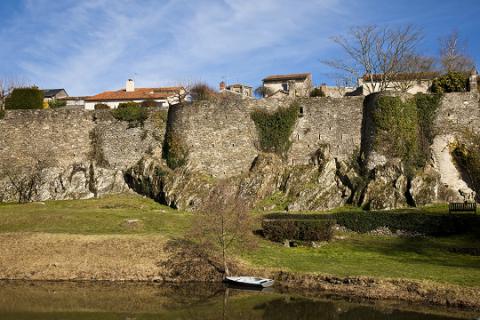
80, 301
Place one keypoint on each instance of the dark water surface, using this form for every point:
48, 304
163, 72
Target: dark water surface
82, 301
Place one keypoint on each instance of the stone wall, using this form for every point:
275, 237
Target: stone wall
74, 153
222, 138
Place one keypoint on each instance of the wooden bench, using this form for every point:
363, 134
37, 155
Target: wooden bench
462, 207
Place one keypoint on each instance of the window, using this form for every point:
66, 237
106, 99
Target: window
285, 86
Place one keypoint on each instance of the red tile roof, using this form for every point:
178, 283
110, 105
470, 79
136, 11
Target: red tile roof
138, 94
293, 76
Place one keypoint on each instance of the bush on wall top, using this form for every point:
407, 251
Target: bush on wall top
450, 82
25, 98
131, 112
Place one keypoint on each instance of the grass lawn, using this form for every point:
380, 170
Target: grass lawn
106, 215
353, 255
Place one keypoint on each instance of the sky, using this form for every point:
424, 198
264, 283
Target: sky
88, 47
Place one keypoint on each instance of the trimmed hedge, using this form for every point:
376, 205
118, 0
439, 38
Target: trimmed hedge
298, 229
428, 224
25, 98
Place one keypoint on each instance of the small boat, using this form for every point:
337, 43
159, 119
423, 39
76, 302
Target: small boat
249, 282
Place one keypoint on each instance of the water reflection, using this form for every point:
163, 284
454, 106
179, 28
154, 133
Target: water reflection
85, 301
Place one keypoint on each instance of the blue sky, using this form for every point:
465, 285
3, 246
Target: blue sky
90, 46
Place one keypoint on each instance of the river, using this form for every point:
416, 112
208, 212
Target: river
129, 301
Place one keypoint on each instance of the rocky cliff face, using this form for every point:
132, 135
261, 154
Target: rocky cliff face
335, 157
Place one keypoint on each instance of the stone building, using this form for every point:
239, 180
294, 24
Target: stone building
404, 82
293, 85
241, 89
164, 97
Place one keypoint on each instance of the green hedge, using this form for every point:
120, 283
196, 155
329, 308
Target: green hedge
131, 112
450, 82
298, 229
428, 224
55, 103
25, 98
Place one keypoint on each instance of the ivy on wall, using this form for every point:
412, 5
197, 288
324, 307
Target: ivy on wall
467, 158
274, 129
404, 128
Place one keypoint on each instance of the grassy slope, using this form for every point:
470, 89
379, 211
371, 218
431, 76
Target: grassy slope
356, 254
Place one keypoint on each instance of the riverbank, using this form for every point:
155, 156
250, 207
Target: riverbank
130, 238
114, 258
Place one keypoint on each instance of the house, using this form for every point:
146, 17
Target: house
241, 89
74, 102
338, 91
405, 82
164, 97
293, 85
53, 94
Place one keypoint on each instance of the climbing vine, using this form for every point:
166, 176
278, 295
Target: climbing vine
405, 128
274, 129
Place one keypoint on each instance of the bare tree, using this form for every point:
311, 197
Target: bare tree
25, 180
224, 222
375, 53
453, 56
413, 69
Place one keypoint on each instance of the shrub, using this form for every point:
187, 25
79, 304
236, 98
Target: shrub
25, 98
130, 112
317, 92
298, 229
150, 103
57, 103
2, 114
274, 129
450, 82
101, 106
126, 105
202, 92
428, 224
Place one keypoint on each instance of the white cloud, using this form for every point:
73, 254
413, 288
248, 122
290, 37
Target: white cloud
89, 46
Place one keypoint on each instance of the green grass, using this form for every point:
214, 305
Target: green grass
94, 216
354, 255
377, 256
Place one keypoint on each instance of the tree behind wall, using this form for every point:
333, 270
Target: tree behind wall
25, 98
453, 54
379, 54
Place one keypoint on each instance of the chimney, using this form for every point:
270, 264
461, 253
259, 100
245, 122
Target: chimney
222, 85
130, 86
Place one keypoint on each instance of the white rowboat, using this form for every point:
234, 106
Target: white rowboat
250, 281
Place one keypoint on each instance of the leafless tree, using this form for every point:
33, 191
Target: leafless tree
412, 69
375, 53
224, 222
25, 180
453, 54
